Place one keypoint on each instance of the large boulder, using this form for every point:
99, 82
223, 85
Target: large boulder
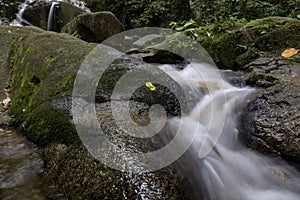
42, 78
43, 66
270, 121
94, 27
8, 38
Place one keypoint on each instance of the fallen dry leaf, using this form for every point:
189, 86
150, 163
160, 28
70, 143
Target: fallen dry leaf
289, 52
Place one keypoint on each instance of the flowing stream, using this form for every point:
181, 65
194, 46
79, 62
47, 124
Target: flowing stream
218, 166
227, 170
20, 167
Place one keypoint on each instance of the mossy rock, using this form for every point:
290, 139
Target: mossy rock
8, 39
46, 125
43, 67
233, 45
94, 27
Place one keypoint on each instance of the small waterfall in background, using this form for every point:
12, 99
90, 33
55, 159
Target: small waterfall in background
50, 16
20, 21
229, 171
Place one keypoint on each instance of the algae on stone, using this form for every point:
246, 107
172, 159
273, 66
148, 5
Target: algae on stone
43, 72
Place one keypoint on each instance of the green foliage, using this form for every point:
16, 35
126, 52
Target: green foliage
139, 13
8, 8
234, 43
188, 27
151, 13
211, 11
47, 126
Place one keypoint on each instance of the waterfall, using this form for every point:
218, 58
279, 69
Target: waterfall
19, 16
19, 21
50, 16
226, 170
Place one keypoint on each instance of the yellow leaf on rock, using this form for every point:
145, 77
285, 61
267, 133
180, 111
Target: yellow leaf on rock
150, 86
289, 52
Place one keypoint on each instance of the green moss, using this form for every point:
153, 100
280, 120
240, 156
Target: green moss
45, 125
44, 67
245, 58
65, 85
233, 45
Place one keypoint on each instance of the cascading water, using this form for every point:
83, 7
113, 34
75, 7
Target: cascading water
229, 171
50, 16
19, 21
19, 16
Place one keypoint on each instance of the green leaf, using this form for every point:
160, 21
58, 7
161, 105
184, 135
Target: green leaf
298, 16
179, 28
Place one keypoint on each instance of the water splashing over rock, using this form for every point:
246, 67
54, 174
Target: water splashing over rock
229, 171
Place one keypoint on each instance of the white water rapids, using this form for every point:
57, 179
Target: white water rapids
229, 171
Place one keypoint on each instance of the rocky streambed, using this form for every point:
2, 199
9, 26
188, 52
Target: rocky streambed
41, 67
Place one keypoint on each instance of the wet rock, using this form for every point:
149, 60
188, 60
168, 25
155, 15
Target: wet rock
128, 64
260, 79
233, 77
82, 177
37, 14
270, 121
163, 57
269, 71
66, 12
94, 27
